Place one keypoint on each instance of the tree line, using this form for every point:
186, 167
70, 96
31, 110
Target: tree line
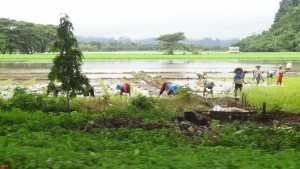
28, 38
284, 34
25, 37
130, 46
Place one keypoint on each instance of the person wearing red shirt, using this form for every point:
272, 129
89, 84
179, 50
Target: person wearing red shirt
169, 87
124, 88
280, 73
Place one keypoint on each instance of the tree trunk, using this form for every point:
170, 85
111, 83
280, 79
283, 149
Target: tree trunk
68, 100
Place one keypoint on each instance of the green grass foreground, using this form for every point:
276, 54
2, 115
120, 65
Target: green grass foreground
49, 140
242, 56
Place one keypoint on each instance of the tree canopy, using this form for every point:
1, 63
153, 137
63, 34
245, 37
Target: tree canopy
170, 41
284, 34
25, 37
66, 67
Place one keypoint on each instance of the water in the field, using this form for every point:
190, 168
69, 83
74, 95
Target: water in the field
154, 66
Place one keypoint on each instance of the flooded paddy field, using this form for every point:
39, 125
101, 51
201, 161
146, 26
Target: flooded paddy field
33, 75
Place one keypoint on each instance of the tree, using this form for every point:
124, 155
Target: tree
25, 37
66, 67
170, 41
283, 34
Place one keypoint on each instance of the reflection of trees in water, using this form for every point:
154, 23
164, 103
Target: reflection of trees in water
184, 65
24, 65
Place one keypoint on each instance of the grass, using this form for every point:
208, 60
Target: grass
5, 82
37, 139
48, 140
285, 97
244, 56
29, 82
104, 87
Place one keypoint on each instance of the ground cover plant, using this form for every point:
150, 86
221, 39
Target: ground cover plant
50, 140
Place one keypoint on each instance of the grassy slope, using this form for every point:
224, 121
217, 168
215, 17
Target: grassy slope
253, 56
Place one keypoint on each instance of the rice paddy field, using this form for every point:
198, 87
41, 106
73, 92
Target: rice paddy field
277, 97
147, 131
147, 55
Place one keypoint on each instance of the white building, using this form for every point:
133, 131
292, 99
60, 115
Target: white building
234, 49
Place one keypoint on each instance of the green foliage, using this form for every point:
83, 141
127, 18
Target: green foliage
186, 93
29, 82
282, 36
33, 102
285, 97
25, 37
142, 102
40, 140
225, 56
170, 41
20, 90
254, 136
106, 95
67, 64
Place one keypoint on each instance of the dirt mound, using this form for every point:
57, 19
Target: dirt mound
192, 124
121, 122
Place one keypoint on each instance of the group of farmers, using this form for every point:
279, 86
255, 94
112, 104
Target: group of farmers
238, 80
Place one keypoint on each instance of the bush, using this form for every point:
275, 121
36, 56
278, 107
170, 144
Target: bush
142, 102
33, 102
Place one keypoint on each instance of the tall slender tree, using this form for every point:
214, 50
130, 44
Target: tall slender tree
66, 67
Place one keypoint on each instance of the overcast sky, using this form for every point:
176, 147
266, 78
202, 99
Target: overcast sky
138, 19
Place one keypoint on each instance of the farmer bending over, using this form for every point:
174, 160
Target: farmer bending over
169, 87
238, 79
208, 84
271, 73
201, 76
289, 67
124, 88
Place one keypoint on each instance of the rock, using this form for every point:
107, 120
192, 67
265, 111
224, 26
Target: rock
191, 117
191, 129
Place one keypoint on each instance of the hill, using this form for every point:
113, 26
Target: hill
284, 34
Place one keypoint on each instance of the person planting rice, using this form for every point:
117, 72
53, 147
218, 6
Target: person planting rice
271, 73
280, 73
257, 74
208, 84
169, 87
288, 67
88, 90
124, 88
238, 79
201, 76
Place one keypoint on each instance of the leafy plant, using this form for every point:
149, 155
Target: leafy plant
67, 64
142, 102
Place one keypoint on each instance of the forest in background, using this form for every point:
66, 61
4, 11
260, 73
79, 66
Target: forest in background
284, 34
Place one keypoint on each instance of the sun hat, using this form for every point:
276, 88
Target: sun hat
238, 69
174, 88
119, 86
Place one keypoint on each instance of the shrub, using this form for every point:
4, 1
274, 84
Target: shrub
142, 102
33, 102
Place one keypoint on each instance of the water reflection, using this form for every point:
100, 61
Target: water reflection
179, 65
